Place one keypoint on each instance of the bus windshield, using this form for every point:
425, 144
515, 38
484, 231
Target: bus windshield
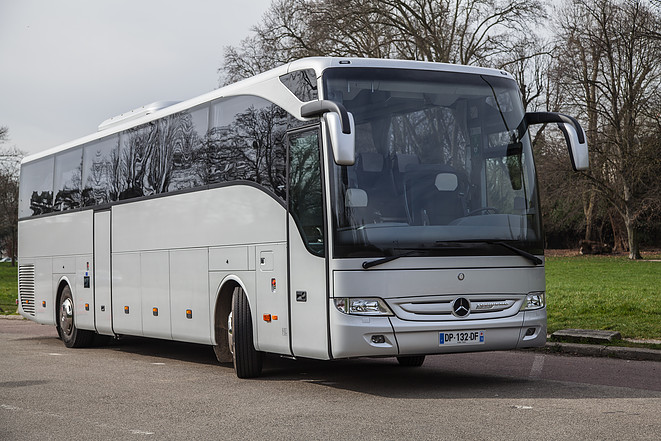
443, 165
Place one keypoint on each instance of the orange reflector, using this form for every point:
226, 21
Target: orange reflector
273, 285
275, 317
267, 318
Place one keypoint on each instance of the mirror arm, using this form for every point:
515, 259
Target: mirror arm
318, 108
553, 117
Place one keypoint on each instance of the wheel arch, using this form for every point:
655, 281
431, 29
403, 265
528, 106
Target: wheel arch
222, 309
61, 284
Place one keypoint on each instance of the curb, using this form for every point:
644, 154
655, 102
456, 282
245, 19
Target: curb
620, 352
11, 317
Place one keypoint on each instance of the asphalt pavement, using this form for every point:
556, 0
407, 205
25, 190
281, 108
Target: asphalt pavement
138, 388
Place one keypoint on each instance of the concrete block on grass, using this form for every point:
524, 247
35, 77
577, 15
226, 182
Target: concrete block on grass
585, 336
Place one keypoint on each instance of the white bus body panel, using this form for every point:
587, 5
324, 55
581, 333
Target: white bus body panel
172, 253
273, 335
155, 293
68, 239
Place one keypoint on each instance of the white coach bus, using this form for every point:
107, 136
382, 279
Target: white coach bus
329, 208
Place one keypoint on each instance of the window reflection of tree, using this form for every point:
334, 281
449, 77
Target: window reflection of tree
250, 148
102, 184
69, 197
434, 135
149, 154
169, 154
305, 197
41, 202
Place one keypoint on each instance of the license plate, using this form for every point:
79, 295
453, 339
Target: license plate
462, 338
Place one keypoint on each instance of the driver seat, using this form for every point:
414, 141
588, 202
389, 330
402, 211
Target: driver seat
435, 195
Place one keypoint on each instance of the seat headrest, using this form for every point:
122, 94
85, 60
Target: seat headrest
446, 182
404, 160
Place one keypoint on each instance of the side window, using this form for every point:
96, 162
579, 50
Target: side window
36, 188
305, 194
302, 83
68, 178
101, 171
246, 143
133, 148
187, 141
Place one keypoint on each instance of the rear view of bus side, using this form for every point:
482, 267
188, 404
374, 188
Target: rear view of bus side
329, 208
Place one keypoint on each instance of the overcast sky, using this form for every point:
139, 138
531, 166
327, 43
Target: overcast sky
67, 65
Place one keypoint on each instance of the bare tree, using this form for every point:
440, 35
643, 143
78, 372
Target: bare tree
454, 31
612, 68
10, 160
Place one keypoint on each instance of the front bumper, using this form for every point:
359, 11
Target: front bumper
353, 336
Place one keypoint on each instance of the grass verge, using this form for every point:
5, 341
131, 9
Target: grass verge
606, 293
8, 288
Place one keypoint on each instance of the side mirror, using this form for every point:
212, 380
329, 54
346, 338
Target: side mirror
574, 135
341, 128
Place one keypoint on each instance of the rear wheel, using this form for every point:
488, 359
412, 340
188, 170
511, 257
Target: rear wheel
411, 360
66, 327
247, 360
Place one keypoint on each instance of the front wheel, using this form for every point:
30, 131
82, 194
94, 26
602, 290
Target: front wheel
66, 327
247, 360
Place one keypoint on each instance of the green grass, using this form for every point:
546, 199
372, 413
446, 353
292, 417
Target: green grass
605, 293
8, 288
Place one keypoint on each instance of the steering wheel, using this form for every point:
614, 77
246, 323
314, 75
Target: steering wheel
485, 210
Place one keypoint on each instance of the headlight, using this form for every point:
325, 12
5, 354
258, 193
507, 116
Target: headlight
534, 300
362, 306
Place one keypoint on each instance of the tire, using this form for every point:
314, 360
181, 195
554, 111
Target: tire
411, 360
66, 328
247, 360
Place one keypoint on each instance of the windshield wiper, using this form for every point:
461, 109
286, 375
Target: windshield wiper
455, 245
370, 263
534, 259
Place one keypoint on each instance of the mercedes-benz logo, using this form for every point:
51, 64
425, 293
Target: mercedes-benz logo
461, 307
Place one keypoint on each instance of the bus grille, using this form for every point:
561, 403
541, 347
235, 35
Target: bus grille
439, 308
26, 288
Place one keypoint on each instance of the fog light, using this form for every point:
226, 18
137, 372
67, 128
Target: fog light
378, 339
530, 331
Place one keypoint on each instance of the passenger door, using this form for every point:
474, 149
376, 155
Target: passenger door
307, 246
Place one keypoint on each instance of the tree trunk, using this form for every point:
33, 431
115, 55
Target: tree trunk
588, 211
632, 237
619, 242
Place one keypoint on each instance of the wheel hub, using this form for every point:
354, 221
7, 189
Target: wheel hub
66, 316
